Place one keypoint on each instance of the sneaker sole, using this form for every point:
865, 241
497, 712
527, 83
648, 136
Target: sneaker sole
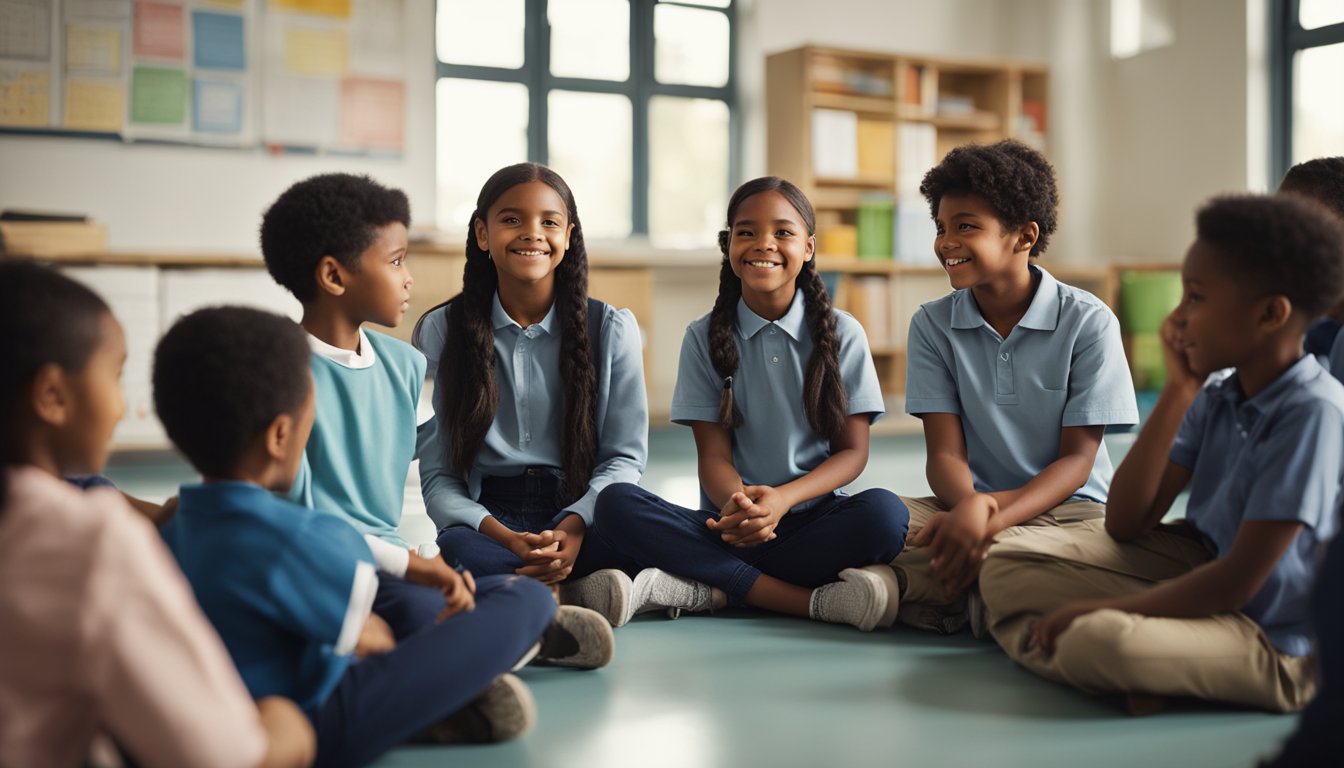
608, 591
596, 642
505, 710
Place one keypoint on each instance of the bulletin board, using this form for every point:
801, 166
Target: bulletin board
308, 74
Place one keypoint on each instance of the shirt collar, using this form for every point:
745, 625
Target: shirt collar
1041, 315
1306, 369
364, 358
501, 319
793, 322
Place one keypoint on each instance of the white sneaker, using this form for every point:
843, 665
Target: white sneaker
859, 598
658, 590
607, 591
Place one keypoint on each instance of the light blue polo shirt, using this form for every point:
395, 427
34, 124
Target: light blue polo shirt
1276, 456
288, 589
530, 421
1063, 365
775, 444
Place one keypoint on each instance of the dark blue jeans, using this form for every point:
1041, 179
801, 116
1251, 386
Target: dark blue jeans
529, 502
810, 548
386, 699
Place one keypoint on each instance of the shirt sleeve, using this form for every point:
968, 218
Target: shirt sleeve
357, 610
447, 499
389, 558
930, 386
623, 421
1101, 392
699, 387
857, 371
167, 689
1299, 466
1185, 448
313, 581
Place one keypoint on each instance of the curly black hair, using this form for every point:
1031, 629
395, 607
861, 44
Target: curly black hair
1321, 180
221, 376
1015, 179
332, 214
1280, 244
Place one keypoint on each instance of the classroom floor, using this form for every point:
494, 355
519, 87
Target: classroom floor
744, 689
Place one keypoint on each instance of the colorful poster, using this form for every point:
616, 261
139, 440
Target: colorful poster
314, 51
160, 31
94, 105
25, 29
90, 48
158, 96
219, 40
337, 8
217, 107
373, 113
25, 97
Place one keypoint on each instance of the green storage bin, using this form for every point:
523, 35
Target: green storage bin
1146, 298
1146, 362
876, 222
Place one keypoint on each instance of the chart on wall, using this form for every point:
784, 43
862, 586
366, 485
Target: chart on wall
313, 74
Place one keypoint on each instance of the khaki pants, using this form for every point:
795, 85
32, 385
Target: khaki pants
924, 603
1226, 657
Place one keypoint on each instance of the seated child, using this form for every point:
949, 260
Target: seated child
1215, 606
1322, 180
339, 244
290, 589
1015, 376
99, 629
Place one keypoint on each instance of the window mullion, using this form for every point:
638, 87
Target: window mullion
641, 77
537, 69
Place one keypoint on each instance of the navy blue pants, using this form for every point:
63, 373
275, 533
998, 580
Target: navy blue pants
407, 608
810, 548
529, 503
386, 699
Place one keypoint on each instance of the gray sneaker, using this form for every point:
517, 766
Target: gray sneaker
504, 710
579, 638
658, 590
607, 591
859, 599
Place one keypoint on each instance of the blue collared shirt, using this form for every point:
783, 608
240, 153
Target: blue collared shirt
1276, 456
529, 423
775, 444
1062, 365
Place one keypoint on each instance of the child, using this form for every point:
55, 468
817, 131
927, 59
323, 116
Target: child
541, 398
100, 632
338, 243
1215, 606
290, 589
779, 390
1015, 376
1322, 180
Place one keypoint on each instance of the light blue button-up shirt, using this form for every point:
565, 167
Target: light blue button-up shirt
529, 423
775, 444
1062, 365
1276, 456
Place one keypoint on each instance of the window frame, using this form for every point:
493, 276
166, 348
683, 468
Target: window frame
640, 86
1287, 39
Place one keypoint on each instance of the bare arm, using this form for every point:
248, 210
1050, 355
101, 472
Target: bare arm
849, 455
947, 467
714, 461
1055, 484
290, 741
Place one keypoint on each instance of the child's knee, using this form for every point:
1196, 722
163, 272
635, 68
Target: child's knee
881, 516
617, 505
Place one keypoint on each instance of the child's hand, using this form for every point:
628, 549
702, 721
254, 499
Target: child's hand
374, 637
957, 541
1179, 373
1048, 629
552, 555
458, 590
739, 510
766, 507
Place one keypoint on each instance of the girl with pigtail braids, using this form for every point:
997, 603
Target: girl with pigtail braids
540, 402
779, 389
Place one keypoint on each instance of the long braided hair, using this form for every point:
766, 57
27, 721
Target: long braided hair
467, 363
824, 399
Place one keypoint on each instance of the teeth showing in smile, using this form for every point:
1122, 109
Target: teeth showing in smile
763, 264
530, 253
954, 262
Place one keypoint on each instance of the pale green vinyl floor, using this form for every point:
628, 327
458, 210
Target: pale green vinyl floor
747, 689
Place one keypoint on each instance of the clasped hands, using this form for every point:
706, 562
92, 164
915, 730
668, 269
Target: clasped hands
750, 516
957, 541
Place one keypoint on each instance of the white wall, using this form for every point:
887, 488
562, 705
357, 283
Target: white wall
157, 198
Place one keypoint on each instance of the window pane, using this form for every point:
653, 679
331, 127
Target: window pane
691, 46
688, 170
1318, 112
590, 147
1319, 13
482, 127
590, 38
486, 34
708, 3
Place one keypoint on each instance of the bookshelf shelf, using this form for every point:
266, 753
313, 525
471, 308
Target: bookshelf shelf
863, 105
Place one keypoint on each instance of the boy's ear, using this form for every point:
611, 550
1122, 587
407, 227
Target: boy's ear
330, 276
279, 433
50, 395
1027, 237
1275, 312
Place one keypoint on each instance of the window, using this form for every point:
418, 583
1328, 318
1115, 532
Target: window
1308, 55
631, 101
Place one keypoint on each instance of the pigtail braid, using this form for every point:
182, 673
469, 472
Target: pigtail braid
467, 364
723, 352
824, 398
579, 440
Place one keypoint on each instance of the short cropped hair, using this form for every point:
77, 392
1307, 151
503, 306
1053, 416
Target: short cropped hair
1016, 180
334, 214
1321, 180
221, 376
1280, 245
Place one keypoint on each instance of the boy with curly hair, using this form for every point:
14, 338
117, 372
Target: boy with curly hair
1216, 606
1015, 376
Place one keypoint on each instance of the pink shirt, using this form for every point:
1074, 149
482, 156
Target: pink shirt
99, 632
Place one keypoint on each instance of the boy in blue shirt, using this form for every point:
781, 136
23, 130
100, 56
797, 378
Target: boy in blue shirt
290, 590
1215, 606
1015, 376
1322, 180
339, 243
